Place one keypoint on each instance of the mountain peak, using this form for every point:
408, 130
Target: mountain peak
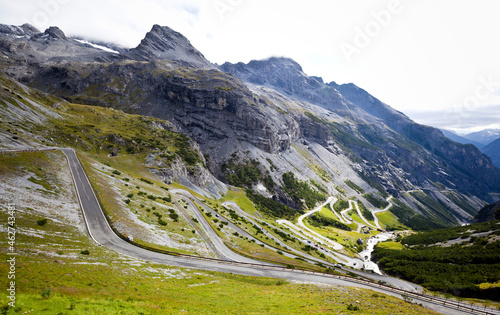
163, 43
274, 71
162, 33
55, 32
286, 75
30, 29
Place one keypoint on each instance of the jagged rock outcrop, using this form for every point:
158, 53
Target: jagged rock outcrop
20, 31
54, 32
163, 43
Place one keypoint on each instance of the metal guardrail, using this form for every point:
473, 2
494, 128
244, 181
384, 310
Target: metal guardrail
437, 300
28, 150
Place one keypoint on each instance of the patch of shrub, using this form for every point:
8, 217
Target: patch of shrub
351, 307
46, 293
319, 220
42, 222
147, 181
355, 187
157, 215
271, 207
298, 191
377, 202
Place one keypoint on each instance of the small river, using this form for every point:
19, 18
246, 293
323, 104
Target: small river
366, 255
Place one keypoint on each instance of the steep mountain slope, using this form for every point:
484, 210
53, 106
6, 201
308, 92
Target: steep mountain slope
493, 150
260, 121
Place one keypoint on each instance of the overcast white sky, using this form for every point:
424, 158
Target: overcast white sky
436, 61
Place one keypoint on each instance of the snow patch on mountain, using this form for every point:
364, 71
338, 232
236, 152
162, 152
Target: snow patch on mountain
97, 46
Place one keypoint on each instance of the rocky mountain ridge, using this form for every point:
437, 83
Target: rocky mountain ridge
27, 43
269, 111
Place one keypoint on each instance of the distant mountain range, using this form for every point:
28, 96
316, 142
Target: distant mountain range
478, 138
488, 141
461, 139
256, 123
493, 151
484, 136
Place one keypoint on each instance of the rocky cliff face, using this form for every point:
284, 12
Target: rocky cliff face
268, 110
209, 105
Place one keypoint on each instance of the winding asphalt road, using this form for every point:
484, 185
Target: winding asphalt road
323, 239
300, 239
227, 253
101, 233
382, 210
